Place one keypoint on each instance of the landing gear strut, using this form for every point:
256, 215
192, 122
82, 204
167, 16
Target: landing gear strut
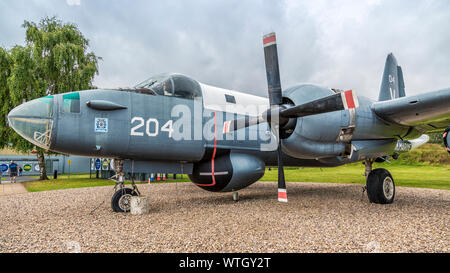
379, 184
121, 199
368, 163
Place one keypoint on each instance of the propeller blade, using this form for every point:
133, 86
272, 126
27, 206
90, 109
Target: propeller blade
272, 69
336, 102
282, 193
233, 125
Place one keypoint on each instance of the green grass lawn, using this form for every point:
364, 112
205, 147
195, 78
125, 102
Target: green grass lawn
76, 181
421, 175
425, 167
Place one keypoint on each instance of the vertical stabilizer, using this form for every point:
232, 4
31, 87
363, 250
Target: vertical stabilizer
401, 82
392, 85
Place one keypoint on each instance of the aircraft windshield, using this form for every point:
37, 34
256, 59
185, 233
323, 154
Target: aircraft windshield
176, 85
160, 84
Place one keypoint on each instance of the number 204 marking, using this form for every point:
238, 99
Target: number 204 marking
151, 132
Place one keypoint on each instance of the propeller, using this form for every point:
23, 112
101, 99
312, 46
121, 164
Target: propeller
279, 114
275, 100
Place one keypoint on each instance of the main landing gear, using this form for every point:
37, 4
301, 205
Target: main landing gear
379, 184
121, 199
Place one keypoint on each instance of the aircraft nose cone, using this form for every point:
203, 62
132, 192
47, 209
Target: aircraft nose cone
34, 121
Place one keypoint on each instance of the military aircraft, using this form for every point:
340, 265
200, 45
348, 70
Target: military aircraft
224, 139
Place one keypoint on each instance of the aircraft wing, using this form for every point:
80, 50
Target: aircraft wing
429, 112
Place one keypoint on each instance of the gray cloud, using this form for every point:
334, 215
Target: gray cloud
340, 44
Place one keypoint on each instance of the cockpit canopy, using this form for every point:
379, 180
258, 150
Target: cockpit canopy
172, 84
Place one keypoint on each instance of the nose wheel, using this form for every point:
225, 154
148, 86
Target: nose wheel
121, 199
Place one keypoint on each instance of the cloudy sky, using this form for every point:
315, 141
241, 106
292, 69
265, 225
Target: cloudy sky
339, 44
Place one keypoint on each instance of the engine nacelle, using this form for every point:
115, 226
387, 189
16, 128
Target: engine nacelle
232, 172
331, 134
314, 136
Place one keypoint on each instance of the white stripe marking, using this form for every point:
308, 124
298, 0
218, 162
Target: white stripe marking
355, 100
271, 43
215, 173
344, 100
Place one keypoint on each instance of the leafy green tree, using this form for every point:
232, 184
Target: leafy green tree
54, 59
5, 72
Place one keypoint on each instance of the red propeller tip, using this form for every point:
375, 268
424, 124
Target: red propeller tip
269, 39
349, 99
282, 195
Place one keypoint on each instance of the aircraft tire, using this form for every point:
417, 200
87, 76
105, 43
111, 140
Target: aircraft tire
118, 203
447, 138
380, 187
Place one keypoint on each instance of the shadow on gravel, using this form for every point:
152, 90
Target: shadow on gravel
346, 193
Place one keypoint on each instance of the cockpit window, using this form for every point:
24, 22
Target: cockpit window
186, 87
160, 84
38, 108
71, 103
172, 85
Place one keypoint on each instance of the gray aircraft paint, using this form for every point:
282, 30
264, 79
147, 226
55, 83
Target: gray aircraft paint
390, 83
75, 135
426, 112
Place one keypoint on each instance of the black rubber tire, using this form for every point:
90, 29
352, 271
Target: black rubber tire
446, 136
375, 184
116, 197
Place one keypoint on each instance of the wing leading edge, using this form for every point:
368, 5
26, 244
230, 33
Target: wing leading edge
429, 112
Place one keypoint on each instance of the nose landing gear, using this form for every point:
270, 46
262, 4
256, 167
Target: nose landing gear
121, 199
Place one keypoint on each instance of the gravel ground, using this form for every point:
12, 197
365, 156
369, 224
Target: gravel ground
184, 218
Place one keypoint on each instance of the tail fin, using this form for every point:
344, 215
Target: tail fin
401, 83
392, 84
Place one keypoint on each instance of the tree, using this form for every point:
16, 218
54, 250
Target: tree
54, 59
5, 72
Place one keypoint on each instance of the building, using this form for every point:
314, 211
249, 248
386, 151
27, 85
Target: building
30, 166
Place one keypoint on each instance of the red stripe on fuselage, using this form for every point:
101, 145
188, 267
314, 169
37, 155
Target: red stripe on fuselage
213, 156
